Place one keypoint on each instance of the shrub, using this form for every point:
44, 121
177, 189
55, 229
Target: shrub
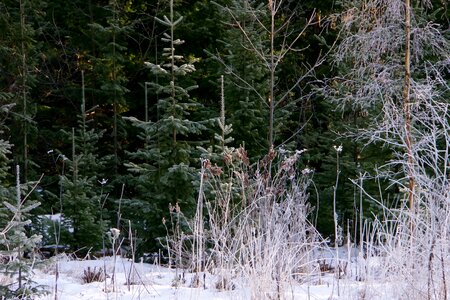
93, 275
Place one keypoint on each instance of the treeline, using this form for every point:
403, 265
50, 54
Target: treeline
115, 102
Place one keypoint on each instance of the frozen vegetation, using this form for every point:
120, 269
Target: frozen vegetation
152, 281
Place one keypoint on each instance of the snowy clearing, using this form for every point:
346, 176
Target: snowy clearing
157, 282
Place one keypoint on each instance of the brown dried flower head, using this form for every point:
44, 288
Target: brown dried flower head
241, 154
215, 170
227, 158
206, 164
272, 154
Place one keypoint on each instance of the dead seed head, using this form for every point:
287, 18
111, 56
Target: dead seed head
216, 171
206, 163
241, 154
272, 154
227, 158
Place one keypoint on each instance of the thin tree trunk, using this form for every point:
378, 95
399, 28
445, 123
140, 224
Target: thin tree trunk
407, 103
24, 92
172, 71
74, 157
83, 111
18, 219
272, 73
116, 143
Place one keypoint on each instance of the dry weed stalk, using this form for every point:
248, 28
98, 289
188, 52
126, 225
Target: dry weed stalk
93, 275
258, 225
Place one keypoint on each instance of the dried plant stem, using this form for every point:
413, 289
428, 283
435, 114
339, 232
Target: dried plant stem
267, 241
335, 219
407, 105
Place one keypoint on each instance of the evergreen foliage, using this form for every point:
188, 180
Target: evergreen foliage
108, 67
246, 78
16, 245
165, 165
82, 202
261, 43
19, 58
277, 88
6, 191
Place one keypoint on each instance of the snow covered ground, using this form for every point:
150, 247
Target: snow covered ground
156, 282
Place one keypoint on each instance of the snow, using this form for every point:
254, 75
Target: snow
156, 282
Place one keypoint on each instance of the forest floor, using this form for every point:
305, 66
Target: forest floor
151, 281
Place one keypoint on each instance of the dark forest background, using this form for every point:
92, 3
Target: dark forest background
114, 103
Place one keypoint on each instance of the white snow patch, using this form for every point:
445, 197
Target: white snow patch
156, 282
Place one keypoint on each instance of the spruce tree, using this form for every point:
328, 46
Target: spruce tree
82, 199
245, 80
17, 246
15, 204
18, 26
109, 71
167, 163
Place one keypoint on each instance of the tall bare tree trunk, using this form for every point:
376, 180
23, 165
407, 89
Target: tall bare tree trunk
115, 104
272, 71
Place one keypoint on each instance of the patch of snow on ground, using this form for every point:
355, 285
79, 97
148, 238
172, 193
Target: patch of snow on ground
156, 282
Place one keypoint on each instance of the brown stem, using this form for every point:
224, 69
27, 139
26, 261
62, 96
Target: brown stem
272, 73
407, 103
